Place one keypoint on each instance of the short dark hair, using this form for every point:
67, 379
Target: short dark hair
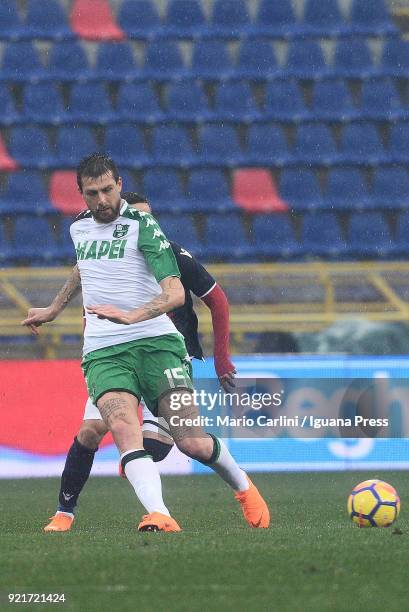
134, 198
95, 165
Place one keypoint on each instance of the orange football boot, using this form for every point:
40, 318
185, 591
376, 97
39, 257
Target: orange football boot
59, 522
156, 521
254, 507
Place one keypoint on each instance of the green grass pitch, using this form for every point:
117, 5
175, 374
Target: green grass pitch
312, 558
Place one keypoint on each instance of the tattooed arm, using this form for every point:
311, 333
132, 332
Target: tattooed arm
172, 296
38, 316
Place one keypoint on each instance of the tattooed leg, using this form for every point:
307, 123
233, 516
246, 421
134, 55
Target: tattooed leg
119, 411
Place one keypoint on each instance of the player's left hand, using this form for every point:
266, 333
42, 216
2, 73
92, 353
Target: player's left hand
227, 380
111, 313
225, 371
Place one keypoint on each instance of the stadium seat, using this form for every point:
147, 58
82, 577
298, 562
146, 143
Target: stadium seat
25, 193
314, 145
398, 150
164, 191
371, 19
7, 251
29, 146
369, 235
361, 144
400, 246
128, 181
184, 19
352, 59
300, 189
321, 235
225, 238
273, 236
137, 102
266, 146
182, 230
219, 146
139, 19
235, 102
274, 20
163, 61
332, 101
208, 191
72, 144
305, 60
42, 103
322, 19
11, 27
211, 61
115, 62
69, 62
187, 102
64, 194
390, 188
8, 114
380, 101
346, 189
172, 147
255, 191
230, 19
7, 163
21, 63
93, 20
256, 61
89, 103
35, 241
46, 19
125, 144
284, 102
395, 58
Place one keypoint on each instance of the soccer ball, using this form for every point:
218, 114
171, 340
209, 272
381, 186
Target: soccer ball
373, 503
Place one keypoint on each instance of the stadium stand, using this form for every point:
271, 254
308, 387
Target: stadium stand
64, 193
42, 103
164, 190
9, 114
254, 191
321, 236
11, 27
184, 19
68, 62
72, 145
274, 236
137, 102
46, 20
94, 21
30, 147
7, 163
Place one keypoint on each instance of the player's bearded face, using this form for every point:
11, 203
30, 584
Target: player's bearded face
102, 196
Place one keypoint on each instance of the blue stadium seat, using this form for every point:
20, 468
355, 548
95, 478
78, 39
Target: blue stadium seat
29, 146
208, 191
164, 191
369, 235
72, 144
69, 62
225, 238
163, 61
352, 59
371, 19
89, 103
284, 102
125, 144
219, 146
361, 144
172, 147
11, 27
139, 19
321, 235
300, 189
46, 19
7, 251
235, 102
266, 146
332, 101
402, 232
306, 60
346, 189
273, 236
274, 20
42, 103
182, 230
395, 58
187, 102
137, 102
398, 151
380, 101
256, 61
314, 145
322, 19
211, 61
25, 193
34, 241
8, 114
184, 19
230, 19
21, 63
115, 62
390, 188
128, 181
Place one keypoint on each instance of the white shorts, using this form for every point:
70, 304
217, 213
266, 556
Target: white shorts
150, 422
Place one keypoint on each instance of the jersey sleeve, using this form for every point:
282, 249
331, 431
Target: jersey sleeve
193, 275
156, 248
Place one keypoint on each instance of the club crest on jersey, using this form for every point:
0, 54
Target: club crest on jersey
120, 230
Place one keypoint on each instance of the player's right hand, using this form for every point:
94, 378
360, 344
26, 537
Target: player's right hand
36, 317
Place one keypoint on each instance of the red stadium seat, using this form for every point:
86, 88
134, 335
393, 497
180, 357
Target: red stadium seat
255, 191
7, 163
64, 192
93, 20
